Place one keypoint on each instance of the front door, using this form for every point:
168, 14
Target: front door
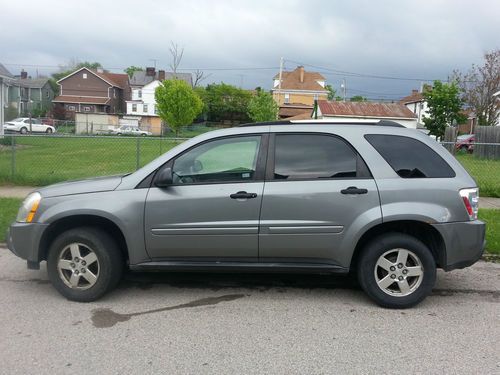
211, 211
318, 193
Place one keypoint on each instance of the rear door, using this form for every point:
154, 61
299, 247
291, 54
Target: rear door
317, 187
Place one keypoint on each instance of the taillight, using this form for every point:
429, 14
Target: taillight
471, 201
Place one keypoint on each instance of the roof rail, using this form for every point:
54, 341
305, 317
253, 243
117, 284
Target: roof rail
327, 122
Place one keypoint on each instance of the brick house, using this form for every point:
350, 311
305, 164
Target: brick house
89, 91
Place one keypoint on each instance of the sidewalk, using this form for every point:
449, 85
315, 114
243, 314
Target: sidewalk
10, 191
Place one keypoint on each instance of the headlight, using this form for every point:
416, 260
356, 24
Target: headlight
28, 208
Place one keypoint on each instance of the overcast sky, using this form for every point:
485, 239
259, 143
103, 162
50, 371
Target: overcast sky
406, 39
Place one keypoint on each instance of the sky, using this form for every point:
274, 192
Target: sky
241, 42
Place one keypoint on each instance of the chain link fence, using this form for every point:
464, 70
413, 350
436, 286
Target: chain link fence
46, 159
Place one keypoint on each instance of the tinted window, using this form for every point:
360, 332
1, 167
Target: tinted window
223, 160
409, 157
309, 156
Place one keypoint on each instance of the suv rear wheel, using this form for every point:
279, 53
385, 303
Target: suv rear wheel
84, 263
396, 270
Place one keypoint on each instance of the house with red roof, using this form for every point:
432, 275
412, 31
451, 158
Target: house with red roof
92, 91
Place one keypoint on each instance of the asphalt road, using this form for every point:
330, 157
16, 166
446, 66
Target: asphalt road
228, 324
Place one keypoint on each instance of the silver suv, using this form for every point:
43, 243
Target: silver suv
384, 202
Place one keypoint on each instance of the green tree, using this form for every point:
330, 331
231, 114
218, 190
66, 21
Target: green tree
177, 103
332, 93
131, 69
226, 102
358, 98
262, 107
444, 103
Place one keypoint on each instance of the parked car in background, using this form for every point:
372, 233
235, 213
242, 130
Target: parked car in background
25, 125
465, 142
130, 130
384, 202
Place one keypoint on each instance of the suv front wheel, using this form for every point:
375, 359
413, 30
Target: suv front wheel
396, 270
84, 263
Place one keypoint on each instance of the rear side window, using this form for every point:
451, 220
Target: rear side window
312, 156
409, 157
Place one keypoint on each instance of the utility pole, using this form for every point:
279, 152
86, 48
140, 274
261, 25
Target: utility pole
344, 88
279, 82
154, 62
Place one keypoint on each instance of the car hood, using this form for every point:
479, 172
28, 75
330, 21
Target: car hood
92, 185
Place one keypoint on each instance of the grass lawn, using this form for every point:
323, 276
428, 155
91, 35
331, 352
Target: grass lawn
10, 206
486, 173
45, 160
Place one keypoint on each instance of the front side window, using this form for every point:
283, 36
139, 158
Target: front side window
222, 160
409, 157
145, 108
313, 156
134, 107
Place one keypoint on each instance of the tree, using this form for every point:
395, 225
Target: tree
444, 103
358, 98
226, 102
199, 76
332, 93
478, 86
262, 107
131, 69
177, 54
177, 103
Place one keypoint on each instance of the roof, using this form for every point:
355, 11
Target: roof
4, 72
113, 79
37, 83
365, 109
303, 116
415, 97
289, 110
139, 78
79, 99
291, 80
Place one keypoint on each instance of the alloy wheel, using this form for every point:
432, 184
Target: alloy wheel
78, 266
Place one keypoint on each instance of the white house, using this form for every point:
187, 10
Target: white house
416, 103
143, 105
352, 111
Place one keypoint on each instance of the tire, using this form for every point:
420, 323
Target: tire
411, 282
23, 130
49, 131
74, 278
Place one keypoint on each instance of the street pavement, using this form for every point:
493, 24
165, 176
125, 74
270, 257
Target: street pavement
247, 324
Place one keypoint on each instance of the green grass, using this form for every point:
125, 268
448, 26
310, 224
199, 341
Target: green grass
8, 212
43, 160
492, 220
486, 172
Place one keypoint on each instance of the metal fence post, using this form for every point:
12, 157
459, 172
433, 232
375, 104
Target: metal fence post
138, 154
13, 157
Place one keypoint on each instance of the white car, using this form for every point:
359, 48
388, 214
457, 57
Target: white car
130, 130
22, 125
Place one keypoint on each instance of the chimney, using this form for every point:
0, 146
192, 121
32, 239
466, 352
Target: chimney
301, 70
150, 71
161, 75
24, 75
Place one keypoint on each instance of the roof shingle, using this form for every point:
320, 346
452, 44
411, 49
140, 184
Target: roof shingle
365, 109
291, 80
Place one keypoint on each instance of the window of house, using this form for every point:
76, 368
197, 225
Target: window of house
84, 75
145, 108
156, 109
222, 160
134, 107
86, 109
287, 98
139, 93
409, 157
47, 94
114, 93
71, 108
313, 156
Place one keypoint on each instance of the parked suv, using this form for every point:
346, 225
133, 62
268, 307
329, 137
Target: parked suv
377, 199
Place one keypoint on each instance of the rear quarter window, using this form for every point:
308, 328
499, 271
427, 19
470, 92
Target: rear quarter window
409, 157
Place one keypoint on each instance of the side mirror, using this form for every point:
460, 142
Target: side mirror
165, 178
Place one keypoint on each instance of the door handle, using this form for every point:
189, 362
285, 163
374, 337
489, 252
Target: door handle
243, 195
353, 190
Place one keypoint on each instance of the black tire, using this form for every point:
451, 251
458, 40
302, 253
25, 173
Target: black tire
23, 130
49, 131
380, 246
109, 257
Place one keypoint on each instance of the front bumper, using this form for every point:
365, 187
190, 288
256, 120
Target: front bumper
23, 239
464, 241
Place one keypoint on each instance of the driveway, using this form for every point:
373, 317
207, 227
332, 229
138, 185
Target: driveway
226, 324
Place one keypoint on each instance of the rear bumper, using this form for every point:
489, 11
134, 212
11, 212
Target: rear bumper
464, 241
23, 239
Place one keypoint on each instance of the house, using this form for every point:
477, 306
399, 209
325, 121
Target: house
367, 110
298, 91
5, 78
142, 103
34, 94
416, 103
89, 91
